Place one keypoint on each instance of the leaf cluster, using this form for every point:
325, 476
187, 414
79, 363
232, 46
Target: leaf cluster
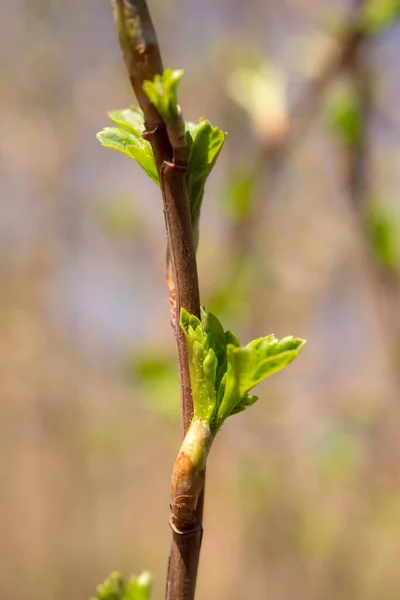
223, 372
127, 138
204, 141
116, 587
162, 92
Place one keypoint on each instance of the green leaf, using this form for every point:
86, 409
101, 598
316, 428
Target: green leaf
116, 588
112, 589
129, 118
222, 372
203, 367
162, 92
133, 146
252, 364
263, 357
244, 403
205, 143
185, 320
215, 339
378, 15
231, 338
138, 588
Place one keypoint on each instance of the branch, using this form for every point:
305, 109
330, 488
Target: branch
143, 62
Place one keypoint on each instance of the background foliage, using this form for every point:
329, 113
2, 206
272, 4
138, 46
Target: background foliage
308, 504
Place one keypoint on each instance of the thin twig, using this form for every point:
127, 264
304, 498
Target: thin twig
142, 58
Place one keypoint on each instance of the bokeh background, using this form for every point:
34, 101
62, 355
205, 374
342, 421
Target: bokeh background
303, 490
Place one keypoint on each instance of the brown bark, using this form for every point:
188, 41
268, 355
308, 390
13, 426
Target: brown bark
142, 58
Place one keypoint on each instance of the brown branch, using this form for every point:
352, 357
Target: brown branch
142, 58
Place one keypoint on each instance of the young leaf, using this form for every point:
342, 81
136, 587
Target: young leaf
215, 339
162, 92
230, 338
129, 118
244, 403
138, 588
203, 367
112, 589
116, 588
185, 320
248, 366
261, 358
230, 399
222, 372
205, 143
203, 373
133, 146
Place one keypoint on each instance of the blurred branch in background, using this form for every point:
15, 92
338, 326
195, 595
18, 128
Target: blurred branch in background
279, 130
376, 225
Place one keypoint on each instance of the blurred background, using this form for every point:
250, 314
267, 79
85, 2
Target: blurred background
300, 234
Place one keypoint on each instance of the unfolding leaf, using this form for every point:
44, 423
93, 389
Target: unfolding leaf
250, 365
133, 146
129, 118
112, 589
205, 143
262, 358
222, 372
138, 588
162, 92
116, 588
246, 401
215, 338
203, 367
231, 338
185, 320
